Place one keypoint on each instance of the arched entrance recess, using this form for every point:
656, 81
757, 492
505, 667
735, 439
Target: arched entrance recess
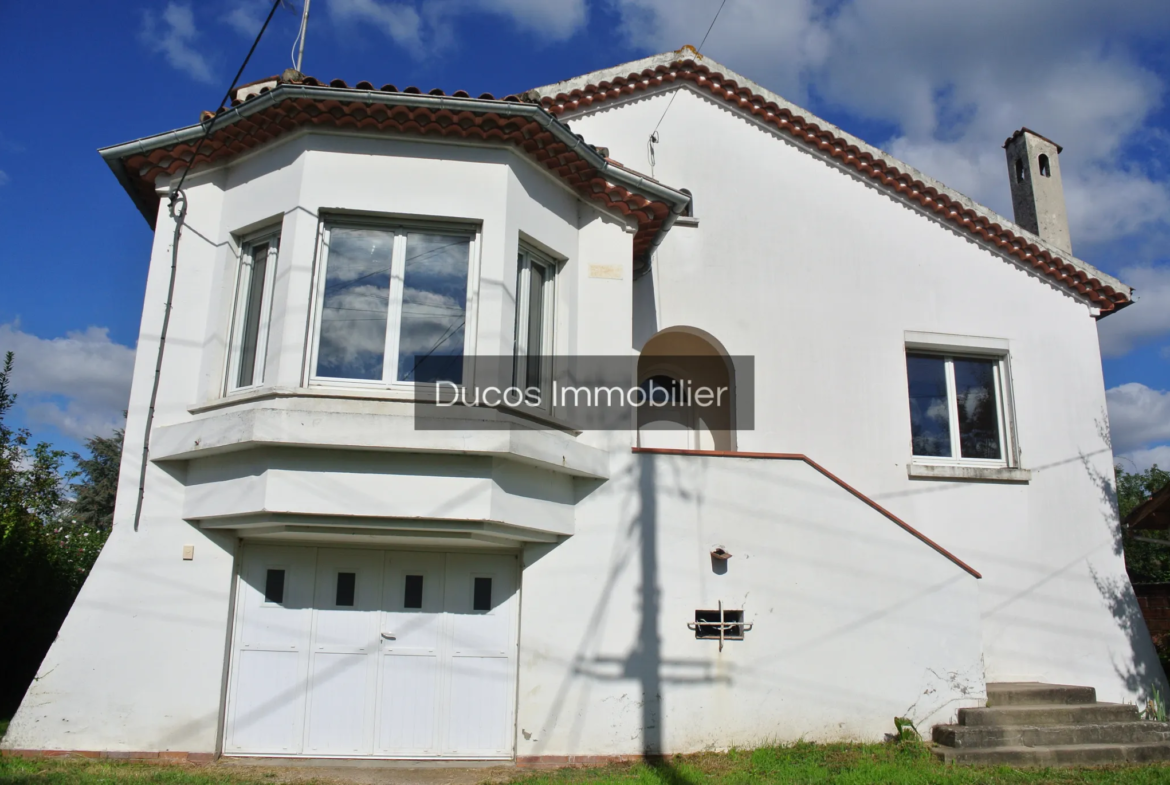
689, 382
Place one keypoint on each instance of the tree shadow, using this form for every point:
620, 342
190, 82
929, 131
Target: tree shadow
1143, 671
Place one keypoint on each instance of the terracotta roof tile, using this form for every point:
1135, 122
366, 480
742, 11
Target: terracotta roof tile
488, 122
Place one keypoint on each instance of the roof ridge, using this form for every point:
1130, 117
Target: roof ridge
705, 75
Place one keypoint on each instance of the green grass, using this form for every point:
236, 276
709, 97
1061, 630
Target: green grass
844, 764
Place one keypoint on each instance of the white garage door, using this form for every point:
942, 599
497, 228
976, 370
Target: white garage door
366, 653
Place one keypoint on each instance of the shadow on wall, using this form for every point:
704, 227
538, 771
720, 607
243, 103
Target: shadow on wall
1143, 670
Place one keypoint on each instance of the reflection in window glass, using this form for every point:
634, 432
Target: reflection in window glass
255, 274
930, 428
978, 414
537, 275
434, 308
356, 302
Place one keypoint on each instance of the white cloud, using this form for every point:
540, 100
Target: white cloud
175, 40
955, 80
1138, 416
248, 16
426, 28
85, 369
1148, 319
1140, 460
400, 21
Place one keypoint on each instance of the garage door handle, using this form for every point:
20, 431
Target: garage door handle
389, 636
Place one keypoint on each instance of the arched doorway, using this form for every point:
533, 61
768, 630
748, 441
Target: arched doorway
688, 383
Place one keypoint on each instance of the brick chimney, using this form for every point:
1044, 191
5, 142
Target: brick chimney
1037, 191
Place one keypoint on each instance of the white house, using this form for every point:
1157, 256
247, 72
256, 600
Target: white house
913, 476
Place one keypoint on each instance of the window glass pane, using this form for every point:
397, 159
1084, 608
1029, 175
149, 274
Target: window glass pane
274, 586
482, 595
537, 275
346, 584
978, 408
412, 597
930, 428
357, 296
434, 308
254, 275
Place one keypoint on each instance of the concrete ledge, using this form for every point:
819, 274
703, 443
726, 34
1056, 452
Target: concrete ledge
373, 425
931, 471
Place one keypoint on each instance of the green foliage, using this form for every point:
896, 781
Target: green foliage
1145, 562
93, 504
905, 730
1155, 706
44, 556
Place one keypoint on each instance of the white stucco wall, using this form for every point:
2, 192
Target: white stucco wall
819, 274
855, 620
140, 662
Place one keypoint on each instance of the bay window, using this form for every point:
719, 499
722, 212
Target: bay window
253, 306
391, 305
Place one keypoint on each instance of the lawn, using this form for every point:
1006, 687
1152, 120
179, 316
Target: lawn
803, 763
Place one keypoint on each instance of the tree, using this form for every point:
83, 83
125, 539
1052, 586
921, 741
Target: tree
93, 503
1145, 562
43, 559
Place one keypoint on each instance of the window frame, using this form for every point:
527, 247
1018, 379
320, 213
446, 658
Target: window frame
526, 257
1003, 399
245, 259
408, 390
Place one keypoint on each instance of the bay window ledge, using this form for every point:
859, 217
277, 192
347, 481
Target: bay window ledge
939, 471
332, 423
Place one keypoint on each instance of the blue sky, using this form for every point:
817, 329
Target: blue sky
937, 83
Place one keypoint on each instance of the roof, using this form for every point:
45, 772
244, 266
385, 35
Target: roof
1153, 513
687, 69
1027, 130
263, 111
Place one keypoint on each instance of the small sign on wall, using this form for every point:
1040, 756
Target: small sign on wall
612, 271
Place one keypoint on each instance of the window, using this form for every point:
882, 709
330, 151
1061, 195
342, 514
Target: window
274, 586
392, 305
481, 599
957, 408
253, 305
1045, 167
346, 588
534, 321
413, 595
1020, 171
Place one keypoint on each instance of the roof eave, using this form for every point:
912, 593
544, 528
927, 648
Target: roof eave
287, 91
635, 67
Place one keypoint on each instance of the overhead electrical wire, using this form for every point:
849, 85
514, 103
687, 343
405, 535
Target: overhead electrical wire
710, 27
178, 213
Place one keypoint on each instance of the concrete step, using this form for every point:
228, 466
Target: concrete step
1035, 693
990, 736
1063, 755
1075, 714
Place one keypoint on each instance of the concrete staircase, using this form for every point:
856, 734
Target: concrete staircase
1034, 724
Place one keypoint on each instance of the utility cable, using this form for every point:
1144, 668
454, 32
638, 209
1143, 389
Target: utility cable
710, 27
178, 213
